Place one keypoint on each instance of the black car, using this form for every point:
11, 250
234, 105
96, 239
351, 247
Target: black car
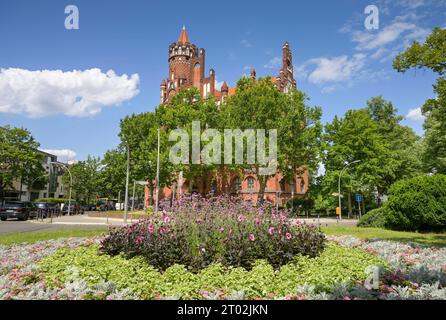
19, 210
47, 209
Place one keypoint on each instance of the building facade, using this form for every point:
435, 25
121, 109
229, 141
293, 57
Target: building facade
187, 69
54, 188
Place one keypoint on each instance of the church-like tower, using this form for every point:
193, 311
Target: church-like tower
187, 69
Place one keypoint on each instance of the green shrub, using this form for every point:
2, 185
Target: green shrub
335, 265
198, 232
376, 218
54, 200
418, 204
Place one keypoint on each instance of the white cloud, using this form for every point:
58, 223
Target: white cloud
411, 4
71, 93
63, 155
273, 63
337, 69
415, 115
369, 40
218, 84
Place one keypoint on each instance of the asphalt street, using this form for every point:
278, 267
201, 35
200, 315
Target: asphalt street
13, 226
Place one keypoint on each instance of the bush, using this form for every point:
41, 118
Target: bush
376, 218
418, 204
198, 232
335, 265
54, 200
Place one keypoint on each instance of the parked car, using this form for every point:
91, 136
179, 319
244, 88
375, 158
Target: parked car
19, 210
89, 207
47, 209
75, 208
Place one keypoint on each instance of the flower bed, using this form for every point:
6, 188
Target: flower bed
75, 269
198, 232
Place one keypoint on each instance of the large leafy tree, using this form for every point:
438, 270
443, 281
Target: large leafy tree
260, 105
357, 137
85, 175
19, 158
404, 144
111, 178
431, 55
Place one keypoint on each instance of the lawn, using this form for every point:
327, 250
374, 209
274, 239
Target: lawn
429, 239
35, 236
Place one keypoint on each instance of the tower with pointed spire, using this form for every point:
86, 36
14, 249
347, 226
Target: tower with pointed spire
187, 69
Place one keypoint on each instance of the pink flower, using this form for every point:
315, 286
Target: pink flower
273, 216
151, 228
241, 218
252, 237
271, 231
257, 221
288, 236
166, 219
222, 230
282, 217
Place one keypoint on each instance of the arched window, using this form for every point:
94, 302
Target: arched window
250, 184
302, 186
292, 186
282, 185
197, 65
237, 184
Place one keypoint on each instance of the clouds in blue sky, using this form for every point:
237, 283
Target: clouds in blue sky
54, 92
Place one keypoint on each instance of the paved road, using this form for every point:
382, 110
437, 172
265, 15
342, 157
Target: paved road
13, 226
85, 222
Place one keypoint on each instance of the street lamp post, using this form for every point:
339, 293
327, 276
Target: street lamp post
126, 197
71, 183
339, 185
157, 175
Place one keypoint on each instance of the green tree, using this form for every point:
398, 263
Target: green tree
19, 158
260, 105
431, 55
111, 177
85, 179
404, 144
357, 137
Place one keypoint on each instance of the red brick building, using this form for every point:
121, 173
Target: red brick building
187, 68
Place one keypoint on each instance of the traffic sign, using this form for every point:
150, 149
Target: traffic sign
359, 198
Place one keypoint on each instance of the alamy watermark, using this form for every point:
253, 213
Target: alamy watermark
188, 150
72, 20
372, 20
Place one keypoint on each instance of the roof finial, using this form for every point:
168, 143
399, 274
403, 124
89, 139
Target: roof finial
184, 38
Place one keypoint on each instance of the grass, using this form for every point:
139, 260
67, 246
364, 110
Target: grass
428, 239
35, 236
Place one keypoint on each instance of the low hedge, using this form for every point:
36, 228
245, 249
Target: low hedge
335, 265
376, 218
418, 204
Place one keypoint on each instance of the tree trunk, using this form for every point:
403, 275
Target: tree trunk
261, 194
363, 205
350, 205
151, 193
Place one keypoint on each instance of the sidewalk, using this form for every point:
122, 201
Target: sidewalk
325, 222
95, 221
84, 220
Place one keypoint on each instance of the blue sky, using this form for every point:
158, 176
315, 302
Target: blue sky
338, 63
